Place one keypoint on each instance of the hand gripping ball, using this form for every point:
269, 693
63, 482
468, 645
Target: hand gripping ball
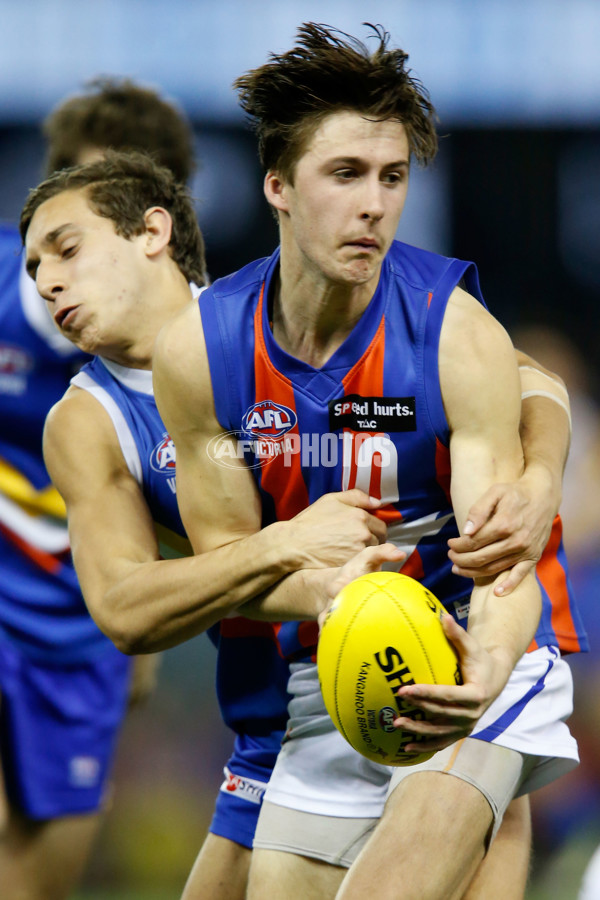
382, 631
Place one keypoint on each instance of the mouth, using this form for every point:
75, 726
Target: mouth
368, 244
64, 316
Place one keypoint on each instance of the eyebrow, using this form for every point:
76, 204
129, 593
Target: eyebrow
33, 262
358, 160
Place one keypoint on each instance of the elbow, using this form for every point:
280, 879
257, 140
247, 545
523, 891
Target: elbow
120, 628
130, 640
126, 643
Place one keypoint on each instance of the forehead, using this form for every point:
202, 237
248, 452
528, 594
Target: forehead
68, 209
348, 133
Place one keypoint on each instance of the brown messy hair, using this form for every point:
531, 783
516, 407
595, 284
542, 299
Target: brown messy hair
329, 71
121, 115
121, 187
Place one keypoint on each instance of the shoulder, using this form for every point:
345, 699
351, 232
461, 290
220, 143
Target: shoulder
78, 417
429, 272
180, 371
468, 323
242, 281
477, 362
178, 344
80, 442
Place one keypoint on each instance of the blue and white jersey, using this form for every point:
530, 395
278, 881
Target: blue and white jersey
252, 675
41, 607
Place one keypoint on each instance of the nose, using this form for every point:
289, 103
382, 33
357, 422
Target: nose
372, 200
48, 282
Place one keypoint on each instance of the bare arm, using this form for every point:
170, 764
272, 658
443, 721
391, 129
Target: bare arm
481, 392
510, 524
220, 506
144, 603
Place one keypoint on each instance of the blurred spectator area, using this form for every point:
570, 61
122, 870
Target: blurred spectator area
524, 204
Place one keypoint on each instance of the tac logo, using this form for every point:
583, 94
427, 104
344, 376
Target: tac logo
162, 458
386, 719
268, 420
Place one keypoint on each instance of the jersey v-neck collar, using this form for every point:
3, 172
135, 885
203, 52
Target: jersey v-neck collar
324, 381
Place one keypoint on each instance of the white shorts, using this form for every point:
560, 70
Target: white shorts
318, 772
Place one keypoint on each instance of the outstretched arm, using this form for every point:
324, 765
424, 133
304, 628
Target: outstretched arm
144, 603
508, 527
485, 449
220, 506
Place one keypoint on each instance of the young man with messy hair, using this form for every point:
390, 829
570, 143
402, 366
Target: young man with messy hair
342, 310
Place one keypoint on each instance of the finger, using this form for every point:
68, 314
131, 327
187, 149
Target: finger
514, 578
358, 498
371, 559
442, 707
431, 728
498, 530
377, 528
491, 569
484, 555
482, 510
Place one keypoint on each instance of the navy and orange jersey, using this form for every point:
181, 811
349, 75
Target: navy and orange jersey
372, 417
41, 607
252, 674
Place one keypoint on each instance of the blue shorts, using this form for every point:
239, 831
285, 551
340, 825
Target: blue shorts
246, 776
58, 730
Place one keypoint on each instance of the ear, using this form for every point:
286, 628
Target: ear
159, 226
276, 189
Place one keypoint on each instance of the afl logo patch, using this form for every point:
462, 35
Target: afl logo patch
386, 719
162, 458
14, 361
268, 420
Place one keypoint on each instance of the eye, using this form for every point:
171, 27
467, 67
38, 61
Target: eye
396, 177
67, 250
345, 174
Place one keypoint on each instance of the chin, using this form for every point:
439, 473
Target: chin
361, 272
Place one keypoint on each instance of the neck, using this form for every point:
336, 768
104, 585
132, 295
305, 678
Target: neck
313, 316
134, 346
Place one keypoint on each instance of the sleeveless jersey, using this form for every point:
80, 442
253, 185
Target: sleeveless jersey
41, 607
372, 417
252, 675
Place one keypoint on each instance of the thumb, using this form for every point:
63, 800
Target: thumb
356, 497
458, 636
514, 578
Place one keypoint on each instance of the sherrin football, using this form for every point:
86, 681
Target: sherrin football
382, 631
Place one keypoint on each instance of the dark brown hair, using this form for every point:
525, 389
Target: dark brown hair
326, 72
121, 187
121, 115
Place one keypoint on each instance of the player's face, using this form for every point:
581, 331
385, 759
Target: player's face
347, 197
89, 276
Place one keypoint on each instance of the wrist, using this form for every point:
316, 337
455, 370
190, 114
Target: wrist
543, 479
277, 551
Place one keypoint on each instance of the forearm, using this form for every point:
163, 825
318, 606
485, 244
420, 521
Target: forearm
300, 596
545, 429
505, 626
161, 603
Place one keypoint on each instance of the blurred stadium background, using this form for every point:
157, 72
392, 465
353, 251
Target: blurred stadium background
516, 188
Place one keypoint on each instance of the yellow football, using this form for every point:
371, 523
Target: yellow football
382, 631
